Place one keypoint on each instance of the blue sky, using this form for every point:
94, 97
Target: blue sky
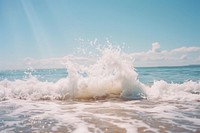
50, 28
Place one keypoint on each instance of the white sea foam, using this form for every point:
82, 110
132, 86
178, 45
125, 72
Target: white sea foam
188, 90
99, 117
170, 107
112, 75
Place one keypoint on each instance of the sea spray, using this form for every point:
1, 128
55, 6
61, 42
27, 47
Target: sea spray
170, 106
112, 75
187, 91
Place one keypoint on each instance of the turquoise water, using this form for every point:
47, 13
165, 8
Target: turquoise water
147, 75
51, 75
169, 74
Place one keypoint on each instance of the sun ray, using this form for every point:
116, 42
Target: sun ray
40, 35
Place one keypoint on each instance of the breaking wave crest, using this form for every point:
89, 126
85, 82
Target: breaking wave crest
111, 76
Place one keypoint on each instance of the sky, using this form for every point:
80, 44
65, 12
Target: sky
156, 32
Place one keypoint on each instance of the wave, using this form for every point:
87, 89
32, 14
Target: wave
111, 76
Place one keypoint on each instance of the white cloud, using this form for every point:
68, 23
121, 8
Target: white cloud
184, 57
56, 62
152, 57
186, 49
198, 58
155, 46
157, 57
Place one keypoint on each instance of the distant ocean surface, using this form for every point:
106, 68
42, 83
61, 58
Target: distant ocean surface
110, 96
172, 74
175, 74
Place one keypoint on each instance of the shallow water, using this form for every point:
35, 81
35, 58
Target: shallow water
99, 116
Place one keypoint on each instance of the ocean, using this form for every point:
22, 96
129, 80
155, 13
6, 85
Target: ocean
109, 96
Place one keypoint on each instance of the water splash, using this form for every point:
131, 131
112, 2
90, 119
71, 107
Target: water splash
112, 75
